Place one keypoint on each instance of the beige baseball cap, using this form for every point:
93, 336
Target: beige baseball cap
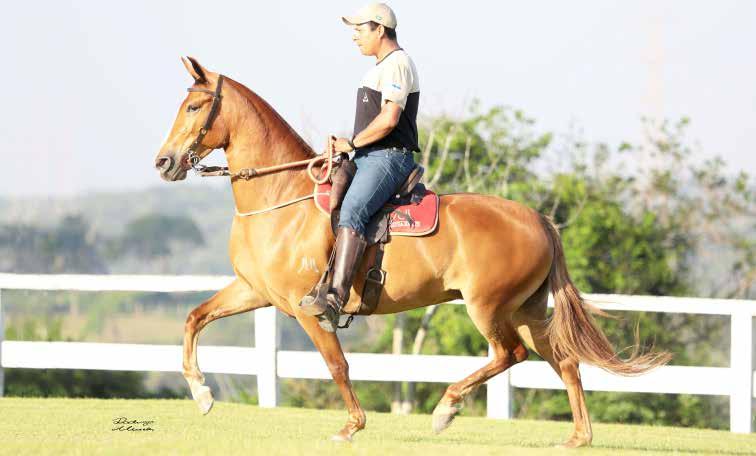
376, 12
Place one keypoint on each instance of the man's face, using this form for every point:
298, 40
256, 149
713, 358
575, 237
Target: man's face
369, 41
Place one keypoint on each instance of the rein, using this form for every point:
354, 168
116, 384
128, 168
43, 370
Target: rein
250, 173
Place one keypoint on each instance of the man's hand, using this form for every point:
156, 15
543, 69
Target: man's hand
340, 145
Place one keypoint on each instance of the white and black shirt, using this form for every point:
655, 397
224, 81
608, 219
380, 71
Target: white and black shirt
392, 79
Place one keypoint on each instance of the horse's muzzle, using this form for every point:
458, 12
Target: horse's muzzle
164, 164
168, 169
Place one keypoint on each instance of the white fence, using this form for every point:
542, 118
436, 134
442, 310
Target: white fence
269, 364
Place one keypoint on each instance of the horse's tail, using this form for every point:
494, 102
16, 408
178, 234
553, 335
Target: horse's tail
572, 332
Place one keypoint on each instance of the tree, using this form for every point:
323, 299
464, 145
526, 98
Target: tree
69, 247
156, 235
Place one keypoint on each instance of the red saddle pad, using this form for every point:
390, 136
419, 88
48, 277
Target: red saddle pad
405, 220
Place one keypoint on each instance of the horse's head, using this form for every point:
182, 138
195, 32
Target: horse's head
187, 139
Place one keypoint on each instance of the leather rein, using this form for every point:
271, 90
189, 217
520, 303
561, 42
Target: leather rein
250, 173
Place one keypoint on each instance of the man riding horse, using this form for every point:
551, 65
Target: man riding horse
385, 137
500, 257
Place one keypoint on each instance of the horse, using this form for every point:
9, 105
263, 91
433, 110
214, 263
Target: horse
501, 257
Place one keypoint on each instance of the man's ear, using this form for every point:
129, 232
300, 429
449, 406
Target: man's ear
194, 69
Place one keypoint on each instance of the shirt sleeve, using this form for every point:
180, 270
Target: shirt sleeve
396, 83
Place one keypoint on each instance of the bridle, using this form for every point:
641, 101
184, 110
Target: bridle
191, 153
249, 173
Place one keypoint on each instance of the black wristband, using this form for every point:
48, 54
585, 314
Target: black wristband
350, 141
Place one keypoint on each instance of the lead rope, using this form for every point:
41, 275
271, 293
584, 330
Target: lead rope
249, 173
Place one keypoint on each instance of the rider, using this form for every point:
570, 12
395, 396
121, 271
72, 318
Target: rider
385, 137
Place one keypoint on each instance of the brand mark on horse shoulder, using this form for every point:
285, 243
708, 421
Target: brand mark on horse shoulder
308, 264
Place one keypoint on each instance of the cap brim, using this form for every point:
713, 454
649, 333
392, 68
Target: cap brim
353, 20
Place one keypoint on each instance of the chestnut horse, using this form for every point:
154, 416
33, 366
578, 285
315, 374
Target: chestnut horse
501, 257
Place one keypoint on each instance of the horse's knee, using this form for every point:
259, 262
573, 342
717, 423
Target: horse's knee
339, 370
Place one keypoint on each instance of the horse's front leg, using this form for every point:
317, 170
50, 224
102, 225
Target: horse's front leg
236, 298
328, 345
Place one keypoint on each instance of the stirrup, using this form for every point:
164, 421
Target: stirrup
329, 319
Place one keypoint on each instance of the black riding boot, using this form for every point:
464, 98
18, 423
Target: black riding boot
350, 245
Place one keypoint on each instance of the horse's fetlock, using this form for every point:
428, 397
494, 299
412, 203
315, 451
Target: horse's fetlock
452, 396
191, 321
358, 420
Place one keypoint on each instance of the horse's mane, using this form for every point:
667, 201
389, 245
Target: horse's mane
264, 109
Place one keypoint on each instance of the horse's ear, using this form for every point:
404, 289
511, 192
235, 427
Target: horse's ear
194, 69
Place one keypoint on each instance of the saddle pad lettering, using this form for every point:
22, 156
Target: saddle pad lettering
405, 220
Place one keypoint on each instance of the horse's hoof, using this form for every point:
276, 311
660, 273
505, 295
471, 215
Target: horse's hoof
203, 397
342, 438
443, 415
575, 442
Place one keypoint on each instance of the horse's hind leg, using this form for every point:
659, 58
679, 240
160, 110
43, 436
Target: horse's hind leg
236, 298
507, 350
530, 321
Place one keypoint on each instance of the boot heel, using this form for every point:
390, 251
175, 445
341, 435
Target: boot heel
311, 305
329, 320
327, 325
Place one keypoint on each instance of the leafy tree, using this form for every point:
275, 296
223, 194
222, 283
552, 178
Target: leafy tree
69, 247
155, 235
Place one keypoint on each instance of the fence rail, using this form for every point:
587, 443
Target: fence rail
270, 364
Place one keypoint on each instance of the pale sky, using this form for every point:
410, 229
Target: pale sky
90, 88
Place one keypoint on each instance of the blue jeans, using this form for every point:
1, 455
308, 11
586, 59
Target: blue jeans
380, 172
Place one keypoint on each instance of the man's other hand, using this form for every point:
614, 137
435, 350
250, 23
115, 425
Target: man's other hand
341, 145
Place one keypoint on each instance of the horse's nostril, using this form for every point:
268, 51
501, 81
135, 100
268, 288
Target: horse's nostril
164, 163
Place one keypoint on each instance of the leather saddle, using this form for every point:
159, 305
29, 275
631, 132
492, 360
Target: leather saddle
412, 211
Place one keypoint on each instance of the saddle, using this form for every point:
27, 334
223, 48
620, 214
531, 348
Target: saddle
412, 211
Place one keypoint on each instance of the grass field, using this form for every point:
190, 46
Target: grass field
85, 426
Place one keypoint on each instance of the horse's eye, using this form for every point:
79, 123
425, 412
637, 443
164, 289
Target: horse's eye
192, 108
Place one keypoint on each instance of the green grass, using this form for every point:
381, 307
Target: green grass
84, 426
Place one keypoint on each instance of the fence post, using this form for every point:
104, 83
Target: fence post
2, 337
266, 348
499, 394
741, 365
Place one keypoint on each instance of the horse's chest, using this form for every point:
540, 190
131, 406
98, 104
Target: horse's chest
281, 273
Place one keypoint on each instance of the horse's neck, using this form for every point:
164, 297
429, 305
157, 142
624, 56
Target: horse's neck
258, 138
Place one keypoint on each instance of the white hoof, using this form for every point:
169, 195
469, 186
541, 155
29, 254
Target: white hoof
443, 415
341, 438
203, 397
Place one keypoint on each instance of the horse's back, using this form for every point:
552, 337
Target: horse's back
492, 216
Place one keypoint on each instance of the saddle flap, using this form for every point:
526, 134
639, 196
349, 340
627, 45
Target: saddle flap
412, 217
